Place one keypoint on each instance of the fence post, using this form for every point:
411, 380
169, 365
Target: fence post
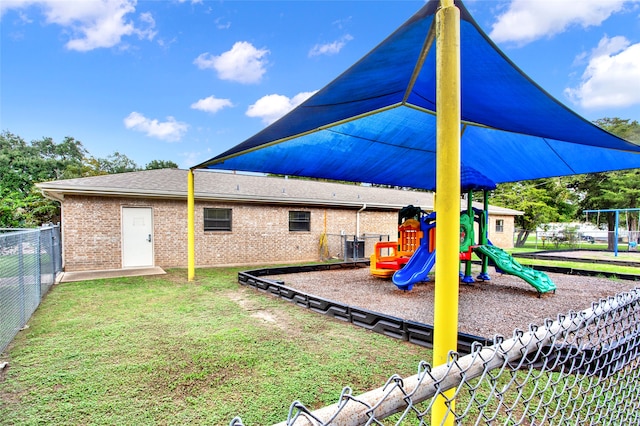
38, 272
52, 253
58, 249
21, 280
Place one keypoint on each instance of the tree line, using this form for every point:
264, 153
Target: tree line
564, 199
23, 164
561, 199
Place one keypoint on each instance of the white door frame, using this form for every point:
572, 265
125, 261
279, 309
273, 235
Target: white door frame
137, 236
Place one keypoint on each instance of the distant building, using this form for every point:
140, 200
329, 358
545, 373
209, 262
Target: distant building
139, 219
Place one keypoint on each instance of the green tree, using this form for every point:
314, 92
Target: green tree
114, 163
541, 201
562, 199
117, 163
625, 128
25, 211
10, 215
160, 164
611, 190
24, 164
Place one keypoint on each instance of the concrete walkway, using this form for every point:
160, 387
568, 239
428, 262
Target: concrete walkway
110, 273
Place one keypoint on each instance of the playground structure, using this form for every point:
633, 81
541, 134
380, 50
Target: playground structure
410, 260
391, 256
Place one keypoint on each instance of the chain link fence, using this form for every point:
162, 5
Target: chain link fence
30, 260
348, 247
581, 368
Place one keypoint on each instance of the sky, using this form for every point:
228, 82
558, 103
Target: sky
185, 80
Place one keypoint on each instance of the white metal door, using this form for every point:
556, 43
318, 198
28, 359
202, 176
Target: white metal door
137, 237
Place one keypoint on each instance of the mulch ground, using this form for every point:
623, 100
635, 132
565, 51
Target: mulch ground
498, 306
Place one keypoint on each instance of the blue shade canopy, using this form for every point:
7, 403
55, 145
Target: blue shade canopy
376, 122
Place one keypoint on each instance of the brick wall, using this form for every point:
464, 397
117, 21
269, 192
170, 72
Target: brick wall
92, 233
502, 239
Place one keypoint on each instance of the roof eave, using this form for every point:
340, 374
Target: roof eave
59, 193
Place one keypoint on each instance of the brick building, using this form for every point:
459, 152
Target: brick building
139, 219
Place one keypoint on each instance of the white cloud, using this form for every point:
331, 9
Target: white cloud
271, 107
222, 24
92, 24
612, 76
170, 130
6, 5
342, 23
330, 48
211, 104
243, 63
528, 20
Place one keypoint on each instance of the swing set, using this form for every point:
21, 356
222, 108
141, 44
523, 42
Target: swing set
633, 237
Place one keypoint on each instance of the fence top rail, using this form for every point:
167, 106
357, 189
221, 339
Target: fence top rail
391, 398
38, 229
11, 231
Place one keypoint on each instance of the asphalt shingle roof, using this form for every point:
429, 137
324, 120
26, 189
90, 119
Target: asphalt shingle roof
211, 185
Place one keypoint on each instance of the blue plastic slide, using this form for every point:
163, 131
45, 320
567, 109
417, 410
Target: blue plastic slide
416, 270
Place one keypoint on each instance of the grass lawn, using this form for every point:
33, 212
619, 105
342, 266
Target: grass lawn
160, 350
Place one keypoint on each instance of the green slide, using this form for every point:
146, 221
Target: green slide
538, 279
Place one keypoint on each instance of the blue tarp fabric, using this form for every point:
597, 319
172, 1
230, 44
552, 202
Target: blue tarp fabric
376, 122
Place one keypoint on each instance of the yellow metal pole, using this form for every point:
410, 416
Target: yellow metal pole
191, 248
445, 332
